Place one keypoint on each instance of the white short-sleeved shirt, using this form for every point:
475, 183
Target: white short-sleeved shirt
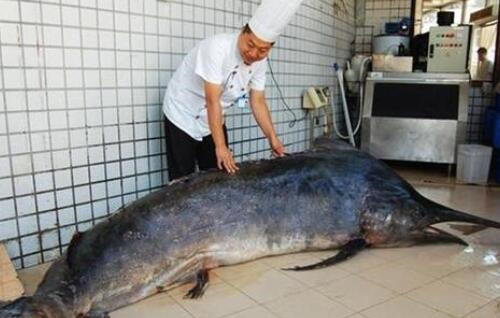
216, 60
485, 70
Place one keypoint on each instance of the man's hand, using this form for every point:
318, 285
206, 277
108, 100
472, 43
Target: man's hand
277, 147
225, 159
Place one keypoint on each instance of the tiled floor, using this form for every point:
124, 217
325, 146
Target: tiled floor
435, 281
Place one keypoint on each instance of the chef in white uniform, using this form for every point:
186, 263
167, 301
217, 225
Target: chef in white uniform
219, 72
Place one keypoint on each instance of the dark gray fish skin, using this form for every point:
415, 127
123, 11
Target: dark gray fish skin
322, 199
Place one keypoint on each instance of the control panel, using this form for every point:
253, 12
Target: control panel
449, 49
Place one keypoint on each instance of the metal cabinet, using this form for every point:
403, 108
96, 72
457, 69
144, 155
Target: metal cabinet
415, 116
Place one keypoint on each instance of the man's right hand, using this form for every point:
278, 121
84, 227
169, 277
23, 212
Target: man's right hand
225, 159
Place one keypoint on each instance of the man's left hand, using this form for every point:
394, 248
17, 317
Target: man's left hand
277, 147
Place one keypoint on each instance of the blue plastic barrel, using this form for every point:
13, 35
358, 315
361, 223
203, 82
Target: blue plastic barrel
495, 164
497, 101
495, 138
489, 121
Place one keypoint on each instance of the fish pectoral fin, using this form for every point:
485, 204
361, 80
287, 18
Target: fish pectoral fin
201, 283
350, 249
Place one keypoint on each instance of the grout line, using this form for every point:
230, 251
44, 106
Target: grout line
132, 126
67, 111
157, 61
473, 291
86, 120
42, 66
390, 297
101, 107
118, 102
249, 308
9, 150
163, 165
494, 301
30, 149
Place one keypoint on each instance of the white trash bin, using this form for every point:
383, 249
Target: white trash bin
473, 163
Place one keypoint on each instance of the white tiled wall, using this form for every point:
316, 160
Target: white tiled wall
82, 83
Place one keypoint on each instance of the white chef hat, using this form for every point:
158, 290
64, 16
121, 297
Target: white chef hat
271, 18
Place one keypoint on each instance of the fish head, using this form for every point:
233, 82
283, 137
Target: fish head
389, 225
401, 224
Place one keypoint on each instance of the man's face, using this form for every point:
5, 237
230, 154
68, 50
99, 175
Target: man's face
481, 56
252, 49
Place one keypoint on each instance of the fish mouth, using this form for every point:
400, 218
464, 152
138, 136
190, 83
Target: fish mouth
424, 236
425, 231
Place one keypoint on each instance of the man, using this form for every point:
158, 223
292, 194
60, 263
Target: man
485, 66
215, 74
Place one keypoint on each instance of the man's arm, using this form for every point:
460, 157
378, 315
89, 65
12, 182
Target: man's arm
263, 117
225, 159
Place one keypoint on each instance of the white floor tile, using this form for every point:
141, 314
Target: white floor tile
254, 312
219, 300
308, 303
396, 277
355, 292
402, 307
267, 286
448, 298
490, 310
483, 280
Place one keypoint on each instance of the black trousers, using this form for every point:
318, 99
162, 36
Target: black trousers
183, 152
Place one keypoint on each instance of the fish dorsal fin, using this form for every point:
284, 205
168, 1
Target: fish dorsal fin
72, 245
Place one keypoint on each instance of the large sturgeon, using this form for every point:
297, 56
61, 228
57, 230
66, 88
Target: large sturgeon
332, 197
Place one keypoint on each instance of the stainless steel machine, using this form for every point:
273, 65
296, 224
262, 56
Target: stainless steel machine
415, 116
449, 48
